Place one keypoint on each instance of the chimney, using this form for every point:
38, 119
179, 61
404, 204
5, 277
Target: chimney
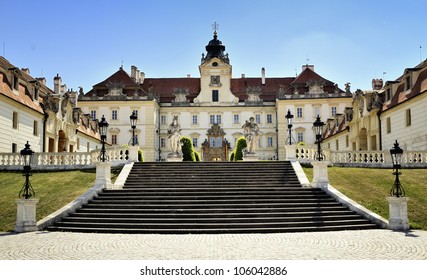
188, 76
263, 76
377, 84
26, 70
42, 80
57, 81
133, 72
63, 89
243, 75
311, 67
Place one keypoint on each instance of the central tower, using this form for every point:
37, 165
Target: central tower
215, 76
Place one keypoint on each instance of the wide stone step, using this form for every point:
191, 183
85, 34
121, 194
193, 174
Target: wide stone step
209, 200
107, 214
210, 196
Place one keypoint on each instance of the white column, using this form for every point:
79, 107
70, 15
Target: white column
26, 215
398, 207
320, 174
291, 152
103, 173
133, 153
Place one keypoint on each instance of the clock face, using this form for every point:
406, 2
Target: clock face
215, 64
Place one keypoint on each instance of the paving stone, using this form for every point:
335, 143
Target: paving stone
343, 245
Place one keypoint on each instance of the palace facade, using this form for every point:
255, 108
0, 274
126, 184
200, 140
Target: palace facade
213, 108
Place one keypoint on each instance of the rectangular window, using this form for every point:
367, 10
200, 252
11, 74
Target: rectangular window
78, 144
88, 147
35, 128
408, 117
299, 112
270, 141
347, 142
14, 148
162, 142
258, 118
269, 118
218, 119
212, 142
114, 139
15, 120
316, 112
195, 119
114, 115
337, 144
300, 137
333, 111
388, 125
163, 119
215, 80
236, 119
212, 119
215, 96
93, 114
195, 142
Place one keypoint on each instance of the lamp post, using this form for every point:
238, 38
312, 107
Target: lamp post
318, 128
289, 118
396, 155
133, 121
27, 190
103, 125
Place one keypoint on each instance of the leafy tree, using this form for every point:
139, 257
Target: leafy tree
240, 145
140, 156
232, 155
187, 149
197, 155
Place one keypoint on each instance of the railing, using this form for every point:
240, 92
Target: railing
45, 161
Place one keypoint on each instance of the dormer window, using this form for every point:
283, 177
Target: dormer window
15, 82
408, 83
388, 94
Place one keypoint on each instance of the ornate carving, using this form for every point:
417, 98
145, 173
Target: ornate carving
50, 103
315, 87
254, 94
180, 95
115, 88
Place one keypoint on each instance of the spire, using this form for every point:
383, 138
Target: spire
215, 48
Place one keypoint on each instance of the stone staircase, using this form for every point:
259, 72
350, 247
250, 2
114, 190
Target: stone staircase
212, 197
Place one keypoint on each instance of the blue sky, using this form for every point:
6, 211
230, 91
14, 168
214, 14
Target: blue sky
86, 41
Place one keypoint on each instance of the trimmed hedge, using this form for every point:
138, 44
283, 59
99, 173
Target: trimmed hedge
240, 145
187, 149
232, 155
197, 155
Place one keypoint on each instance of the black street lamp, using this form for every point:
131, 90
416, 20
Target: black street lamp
396, 155
318, 129
103, 125
133, 121
27, 190
289, 118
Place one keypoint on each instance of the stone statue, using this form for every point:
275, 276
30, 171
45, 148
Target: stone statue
174, 135
251, 133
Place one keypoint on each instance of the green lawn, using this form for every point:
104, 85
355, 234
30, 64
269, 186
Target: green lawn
371, 186
53, 189
367, 186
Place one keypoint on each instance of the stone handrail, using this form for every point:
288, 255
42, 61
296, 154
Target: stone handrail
45, 161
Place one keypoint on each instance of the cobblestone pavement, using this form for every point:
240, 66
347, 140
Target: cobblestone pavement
347, 245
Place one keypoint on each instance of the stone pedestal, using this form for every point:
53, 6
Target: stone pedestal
250, 157
26, 215
133, 153
320, 174
103, 173
174, 157
398, 207
291, 152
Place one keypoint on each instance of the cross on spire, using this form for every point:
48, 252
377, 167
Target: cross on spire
215, 27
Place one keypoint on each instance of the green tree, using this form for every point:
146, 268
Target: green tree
187, 149
140, 156
240, 145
